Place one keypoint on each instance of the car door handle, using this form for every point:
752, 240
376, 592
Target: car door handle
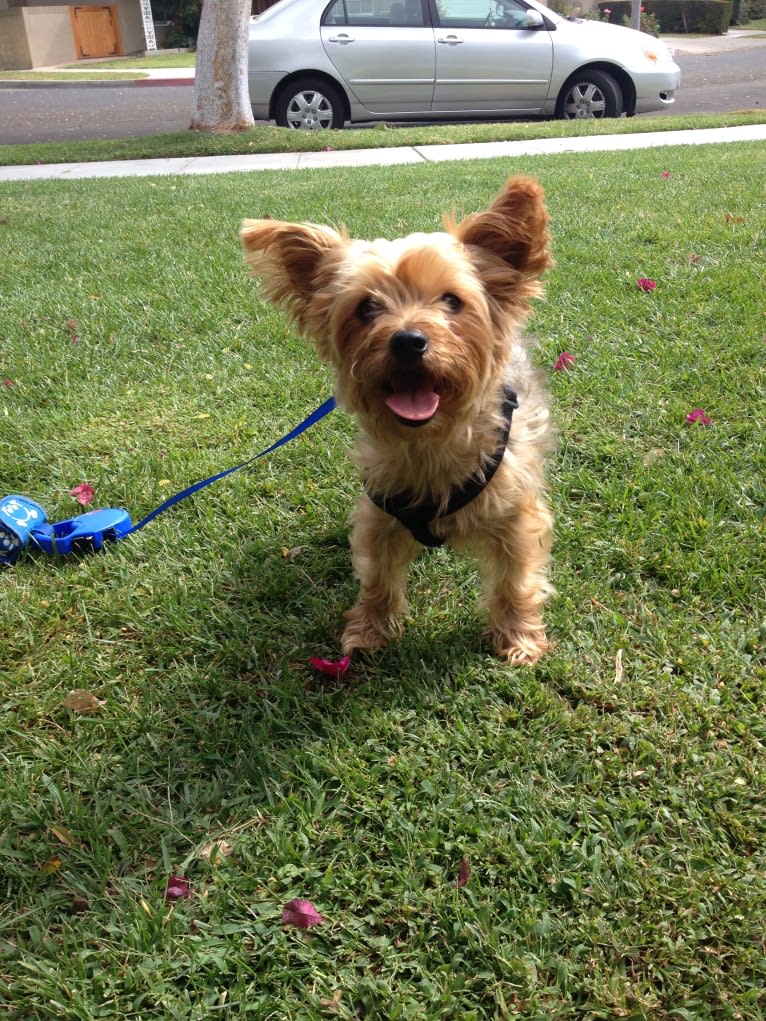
341, 39
450, 40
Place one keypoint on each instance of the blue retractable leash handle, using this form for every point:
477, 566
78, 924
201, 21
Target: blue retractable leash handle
23, 521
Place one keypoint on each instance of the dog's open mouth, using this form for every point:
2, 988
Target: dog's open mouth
414, 401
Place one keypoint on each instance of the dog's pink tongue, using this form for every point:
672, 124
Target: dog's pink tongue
414, 405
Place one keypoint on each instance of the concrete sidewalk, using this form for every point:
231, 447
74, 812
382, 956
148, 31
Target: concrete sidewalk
380, 157
700, 45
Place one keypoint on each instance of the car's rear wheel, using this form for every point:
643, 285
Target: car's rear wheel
590, 94
309, 104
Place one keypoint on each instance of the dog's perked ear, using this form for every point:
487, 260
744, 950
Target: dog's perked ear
514, 228
287, 258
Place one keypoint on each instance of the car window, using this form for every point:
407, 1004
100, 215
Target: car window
374, 12
482, 13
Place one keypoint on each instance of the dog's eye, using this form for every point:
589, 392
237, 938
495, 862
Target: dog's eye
368, 310
453, 303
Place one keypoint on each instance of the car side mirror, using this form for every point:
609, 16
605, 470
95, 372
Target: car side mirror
534, 19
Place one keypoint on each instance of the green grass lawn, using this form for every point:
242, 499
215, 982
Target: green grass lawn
609, 801
164, 58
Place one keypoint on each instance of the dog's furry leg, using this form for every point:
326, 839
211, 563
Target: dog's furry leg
514, 568
382, 551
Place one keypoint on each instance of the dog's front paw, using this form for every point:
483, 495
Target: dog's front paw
520, 647
366, 630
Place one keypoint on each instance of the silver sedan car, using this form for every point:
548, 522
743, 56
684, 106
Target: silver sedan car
316, 64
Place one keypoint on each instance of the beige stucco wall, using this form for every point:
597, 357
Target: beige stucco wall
131, 26
14, 49
49, 33
40, 34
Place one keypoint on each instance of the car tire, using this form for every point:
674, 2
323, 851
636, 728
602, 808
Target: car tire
309, 104
589, 94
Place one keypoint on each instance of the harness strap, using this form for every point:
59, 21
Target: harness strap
418, 517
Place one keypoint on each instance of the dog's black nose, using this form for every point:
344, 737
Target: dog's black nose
408, 345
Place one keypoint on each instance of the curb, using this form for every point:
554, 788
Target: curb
144, 82
108, 83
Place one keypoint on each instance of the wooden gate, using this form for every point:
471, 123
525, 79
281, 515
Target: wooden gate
96, 31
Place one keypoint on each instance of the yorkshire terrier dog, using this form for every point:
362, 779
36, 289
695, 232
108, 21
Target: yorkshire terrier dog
424, 337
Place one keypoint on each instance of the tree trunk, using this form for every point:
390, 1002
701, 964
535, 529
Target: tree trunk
221, 101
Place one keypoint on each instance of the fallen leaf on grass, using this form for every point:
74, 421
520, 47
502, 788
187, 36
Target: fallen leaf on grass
565, 361
80, 700
645, 284
83, 493
731, 218
215, 850
653, 455
295, 551
62, 834
698, 416
618, 671
333, 1005
178, 888
301, 913
52, 865
464, 872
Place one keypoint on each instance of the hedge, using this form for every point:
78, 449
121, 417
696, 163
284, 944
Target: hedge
709, 17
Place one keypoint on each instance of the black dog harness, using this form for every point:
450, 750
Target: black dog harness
417, 518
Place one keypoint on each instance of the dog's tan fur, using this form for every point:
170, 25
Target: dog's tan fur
351, 297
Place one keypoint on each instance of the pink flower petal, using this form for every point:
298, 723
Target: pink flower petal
564, 361
645, 284
178, 888
665, 173
698, 416
301, 913
83, 493
332, 667
9, 382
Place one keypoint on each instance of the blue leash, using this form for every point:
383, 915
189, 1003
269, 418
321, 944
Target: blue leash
22, 520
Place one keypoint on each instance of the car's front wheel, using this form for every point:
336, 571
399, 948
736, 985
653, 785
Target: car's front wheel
589, 94
309, 104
